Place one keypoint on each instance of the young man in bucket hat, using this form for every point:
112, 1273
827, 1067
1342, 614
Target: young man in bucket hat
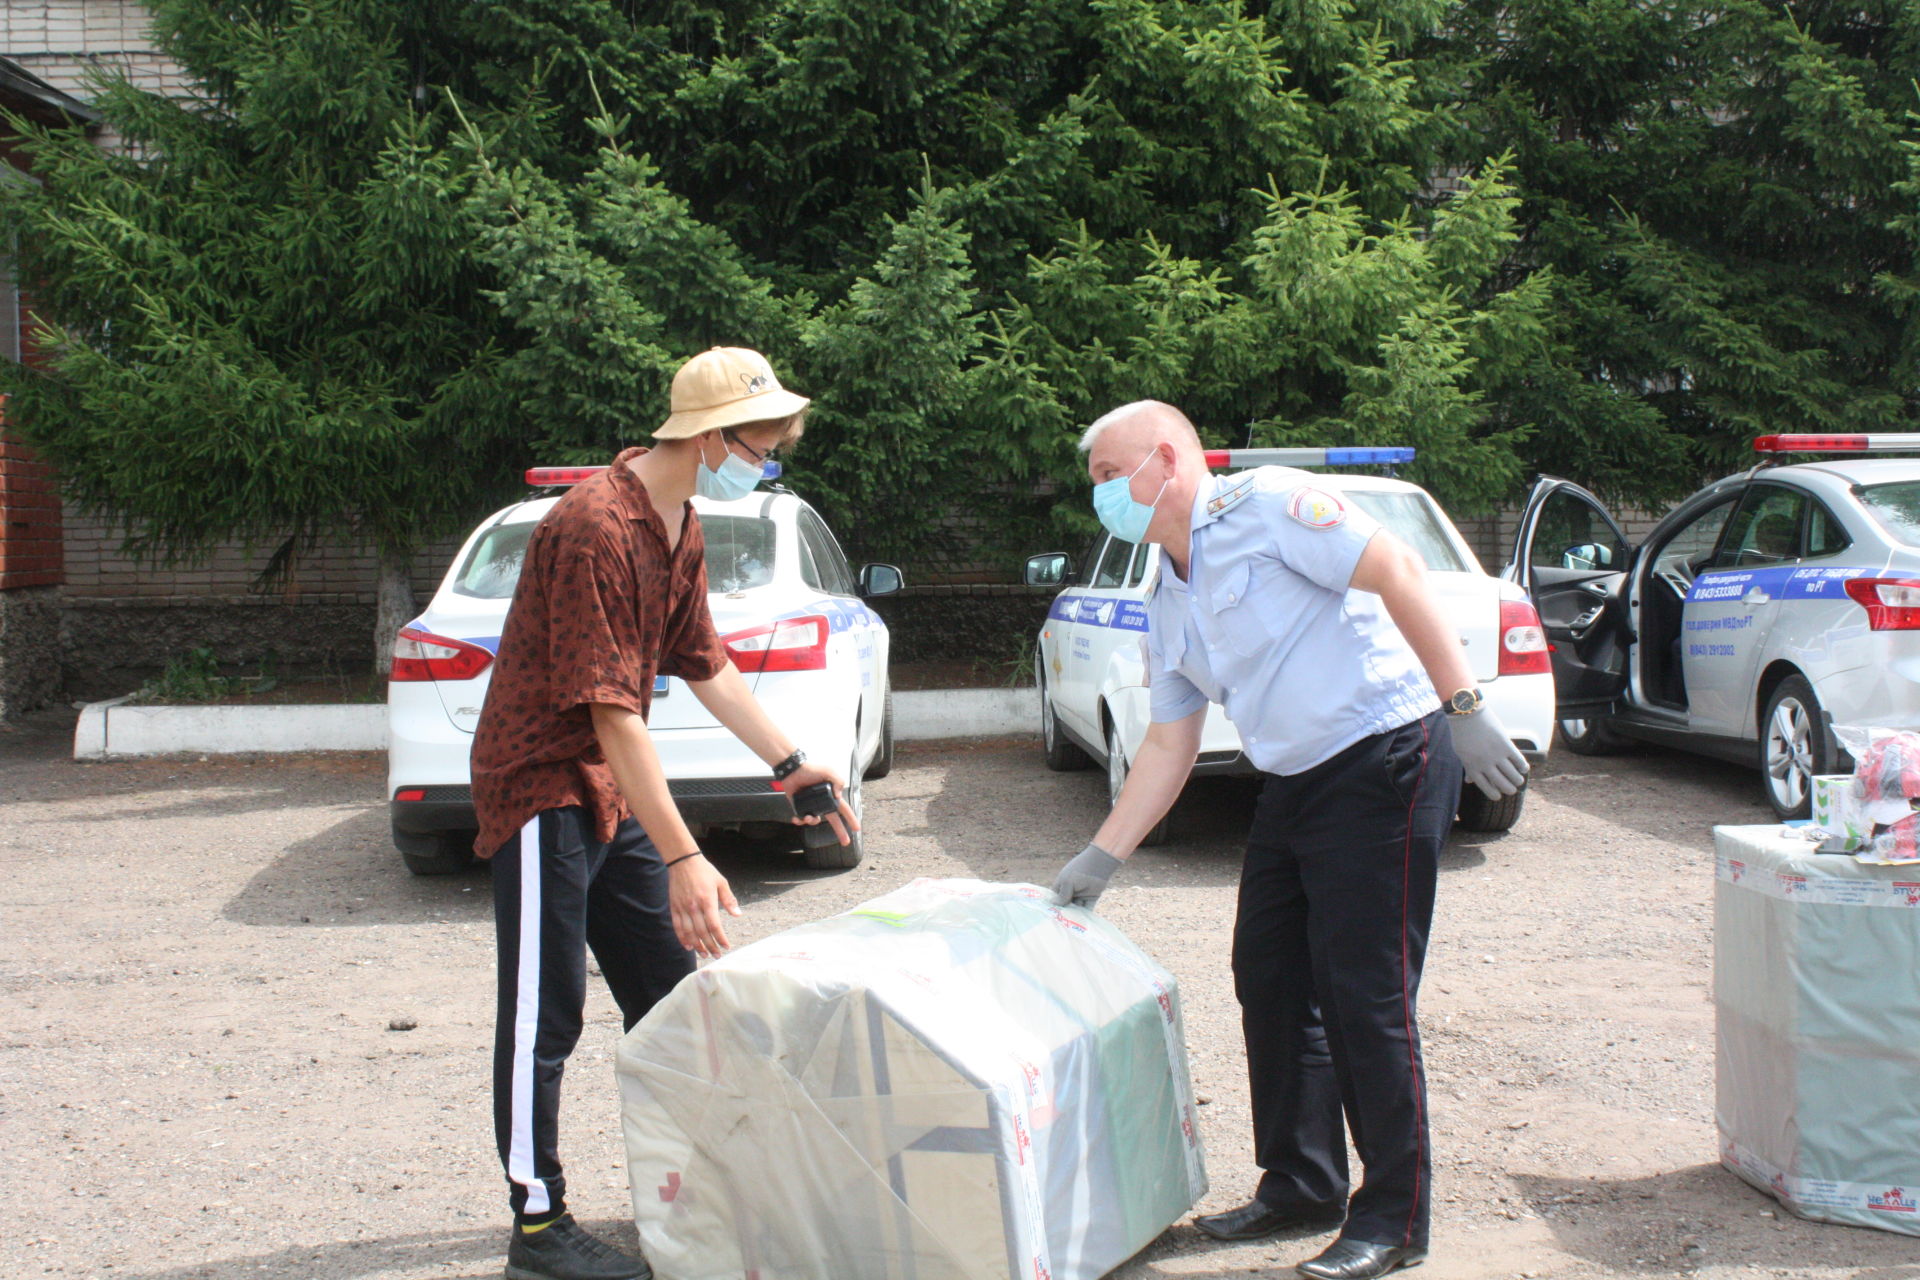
587, 847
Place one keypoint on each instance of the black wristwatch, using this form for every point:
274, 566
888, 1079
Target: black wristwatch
1465, 702
788, 767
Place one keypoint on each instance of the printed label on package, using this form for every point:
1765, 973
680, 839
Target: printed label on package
1815, 889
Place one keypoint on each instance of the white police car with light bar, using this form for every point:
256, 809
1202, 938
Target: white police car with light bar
793, 616
1761, 611
1089, 659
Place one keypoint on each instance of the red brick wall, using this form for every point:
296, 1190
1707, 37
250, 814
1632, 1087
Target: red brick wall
30, 529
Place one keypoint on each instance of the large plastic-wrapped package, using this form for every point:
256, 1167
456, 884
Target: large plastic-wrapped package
956, 1080
1817, 1008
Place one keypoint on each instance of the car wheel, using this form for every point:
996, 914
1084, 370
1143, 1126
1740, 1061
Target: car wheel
1117, 778
1590, 737
448, 855
822, 847
1061, 756
1794, 746
1477, 813
882, 763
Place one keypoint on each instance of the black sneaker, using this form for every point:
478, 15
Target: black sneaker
563, 1250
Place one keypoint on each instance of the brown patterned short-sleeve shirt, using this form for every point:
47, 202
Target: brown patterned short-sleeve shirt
602, 607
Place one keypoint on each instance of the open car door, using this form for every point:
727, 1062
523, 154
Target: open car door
1573, 559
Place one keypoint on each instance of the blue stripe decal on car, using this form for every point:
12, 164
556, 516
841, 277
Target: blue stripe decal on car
1093, 611
1782, 582
840, 615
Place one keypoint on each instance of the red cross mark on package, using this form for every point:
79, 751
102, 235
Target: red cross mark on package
670, 1192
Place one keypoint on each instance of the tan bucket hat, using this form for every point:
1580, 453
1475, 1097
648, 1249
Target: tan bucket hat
725, 387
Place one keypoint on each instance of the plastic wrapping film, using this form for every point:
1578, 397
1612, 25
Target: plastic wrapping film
1817, 1069
957, 1079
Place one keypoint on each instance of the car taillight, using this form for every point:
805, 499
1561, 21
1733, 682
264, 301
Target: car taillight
1523, 642
791, 644
421, 655
1892, 604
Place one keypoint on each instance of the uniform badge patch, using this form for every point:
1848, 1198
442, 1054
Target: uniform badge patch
1316, 509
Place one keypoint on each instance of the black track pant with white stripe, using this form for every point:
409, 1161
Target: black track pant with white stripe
1335, 901
556, 892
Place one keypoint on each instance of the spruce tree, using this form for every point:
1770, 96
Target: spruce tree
1714, 187
262, 319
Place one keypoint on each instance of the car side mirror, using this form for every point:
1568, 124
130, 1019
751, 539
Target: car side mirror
1054, 569
1587, 555
880, 580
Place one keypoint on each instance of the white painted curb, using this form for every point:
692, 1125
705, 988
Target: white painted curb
112, 729
927, 714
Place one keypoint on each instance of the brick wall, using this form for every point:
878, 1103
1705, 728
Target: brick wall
67, 42
30, 550
336, 571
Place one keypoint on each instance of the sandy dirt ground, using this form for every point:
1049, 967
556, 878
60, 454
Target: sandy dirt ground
203, 959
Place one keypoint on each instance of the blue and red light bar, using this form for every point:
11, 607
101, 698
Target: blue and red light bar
1348, 457
562, 477
1875, 442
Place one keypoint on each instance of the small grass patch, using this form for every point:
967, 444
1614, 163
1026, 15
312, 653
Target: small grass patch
194, 678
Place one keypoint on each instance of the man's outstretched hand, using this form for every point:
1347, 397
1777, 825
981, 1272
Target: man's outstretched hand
1084, 878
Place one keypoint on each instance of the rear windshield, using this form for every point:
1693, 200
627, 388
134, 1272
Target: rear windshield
739, 556
1896, 507
1412, 518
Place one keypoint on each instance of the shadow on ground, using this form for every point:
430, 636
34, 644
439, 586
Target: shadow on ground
1700, 1216
1695, 792
351, 875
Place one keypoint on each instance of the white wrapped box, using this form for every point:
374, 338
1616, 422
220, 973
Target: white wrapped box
1817, 1007
955, 1080
1838, 810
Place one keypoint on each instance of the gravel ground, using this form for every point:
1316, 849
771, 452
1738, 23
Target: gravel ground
205, 958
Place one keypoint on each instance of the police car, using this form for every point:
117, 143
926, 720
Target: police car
1089, 660
790, 610
1764, 609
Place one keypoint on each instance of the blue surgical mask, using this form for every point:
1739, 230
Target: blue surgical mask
734, 478
1124, 515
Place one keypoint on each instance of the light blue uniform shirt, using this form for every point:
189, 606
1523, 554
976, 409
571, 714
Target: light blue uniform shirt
1265, 624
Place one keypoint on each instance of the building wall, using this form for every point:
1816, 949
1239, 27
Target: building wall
66, 42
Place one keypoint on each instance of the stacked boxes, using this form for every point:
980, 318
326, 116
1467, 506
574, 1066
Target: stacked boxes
1817, 1067
957, 1080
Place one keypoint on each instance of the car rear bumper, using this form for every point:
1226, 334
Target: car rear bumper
1525, 707
445, 809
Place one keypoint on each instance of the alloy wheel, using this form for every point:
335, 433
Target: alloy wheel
1789, 756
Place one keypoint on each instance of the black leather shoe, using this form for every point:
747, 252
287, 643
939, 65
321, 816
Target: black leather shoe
1254, 1219
1346, 1259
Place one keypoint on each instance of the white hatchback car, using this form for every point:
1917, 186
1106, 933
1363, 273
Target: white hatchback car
1765, 608
1090, 666
794, 619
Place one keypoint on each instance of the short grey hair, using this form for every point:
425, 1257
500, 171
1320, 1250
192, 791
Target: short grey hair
1158, 408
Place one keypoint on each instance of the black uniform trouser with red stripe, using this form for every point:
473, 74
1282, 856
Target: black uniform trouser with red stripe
556, 892
1335, 901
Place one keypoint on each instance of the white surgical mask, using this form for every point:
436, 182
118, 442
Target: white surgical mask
734, 478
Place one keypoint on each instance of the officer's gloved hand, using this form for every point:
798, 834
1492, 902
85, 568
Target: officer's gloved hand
1491, 761
1084, 878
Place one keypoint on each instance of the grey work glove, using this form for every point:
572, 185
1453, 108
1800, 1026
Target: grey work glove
1084, 878
1491, 761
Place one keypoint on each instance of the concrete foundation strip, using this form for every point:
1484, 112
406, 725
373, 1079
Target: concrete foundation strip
117, 729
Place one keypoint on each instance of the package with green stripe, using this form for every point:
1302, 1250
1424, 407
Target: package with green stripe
955, 1080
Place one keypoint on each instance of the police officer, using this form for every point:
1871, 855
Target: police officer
1317, 631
